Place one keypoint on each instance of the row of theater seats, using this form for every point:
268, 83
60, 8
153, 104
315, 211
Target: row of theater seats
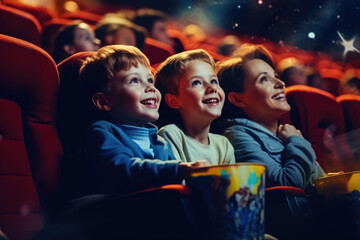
330, 124
30, 147
24, 23
31, 150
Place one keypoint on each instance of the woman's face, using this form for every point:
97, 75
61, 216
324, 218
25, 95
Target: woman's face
264, 95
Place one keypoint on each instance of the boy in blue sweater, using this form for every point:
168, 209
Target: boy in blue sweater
125, 151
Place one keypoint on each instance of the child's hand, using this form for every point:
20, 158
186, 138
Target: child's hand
287, 130
186, 166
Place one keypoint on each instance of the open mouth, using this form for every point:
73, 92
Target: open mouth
149, 101
279, 96
211, 101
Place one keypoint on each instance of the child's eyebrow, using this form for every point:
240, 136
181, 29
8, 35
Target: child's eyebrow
202, 77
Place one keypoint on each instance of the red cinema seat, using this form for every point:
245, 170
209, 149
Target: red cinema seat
157, 51
88, 17
320, 119
49, 32
180, 41
351, 107
20, 212
71, 112
332, 80
42, 14
30, 79
19, 24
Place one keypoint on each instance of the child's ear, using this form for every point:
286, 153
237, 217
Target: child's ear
236, 99
172, 101
101, 102
69, 49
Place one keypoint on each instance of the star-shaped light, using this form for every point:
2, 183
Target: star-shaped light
348, 45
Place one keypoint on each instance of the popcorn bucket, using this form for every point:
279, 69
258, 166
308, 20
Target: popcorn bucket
339, 205
228, 200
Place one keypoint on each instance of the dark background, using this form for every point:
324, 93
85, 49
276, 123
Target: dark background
289, 21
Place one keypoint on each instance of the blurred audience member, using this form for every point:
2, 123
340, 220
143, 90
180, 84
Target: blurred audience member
352, 86
332, 78
292, 72
115, 30
294, 75
313, 77
155, 22
73, 38
194, 33
228, 45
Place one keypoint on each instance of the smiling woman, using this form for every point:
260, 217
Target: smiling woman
255, 102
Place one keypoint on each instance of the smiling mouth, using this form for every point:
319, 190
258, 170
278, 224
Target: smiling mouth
211, 101
149, 102
279, 96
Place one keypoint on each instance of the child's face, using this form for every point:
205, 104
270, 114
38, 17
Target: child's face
133, 98
264, 95
84, 39
200, 95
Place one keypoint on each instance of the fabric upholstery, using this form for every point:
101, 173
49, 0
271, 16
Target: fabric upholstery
157, 51
88, 17
29, 77
351, 108
319, 117
19, 203
19, 24
42, 14
71, 115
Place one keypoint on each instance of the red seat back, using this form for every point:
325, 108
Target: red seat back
29, 77
351, 107
319, 117
88, 17
20, 212
42, 14
19, 24
72, 116
157, 51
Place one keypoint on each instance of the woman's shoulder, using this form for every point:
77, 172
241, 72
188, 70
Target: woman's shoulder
243, 125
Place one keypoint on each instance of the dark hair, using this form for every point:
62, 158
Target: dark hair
231, 74
354, 82
64, 36
110, 26
147, 17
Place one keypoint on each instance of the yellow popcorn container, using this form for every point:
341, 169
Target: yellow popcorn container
228, 200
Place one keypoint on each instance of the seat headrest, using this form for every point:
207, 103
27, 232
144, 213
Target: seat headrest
28, 77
